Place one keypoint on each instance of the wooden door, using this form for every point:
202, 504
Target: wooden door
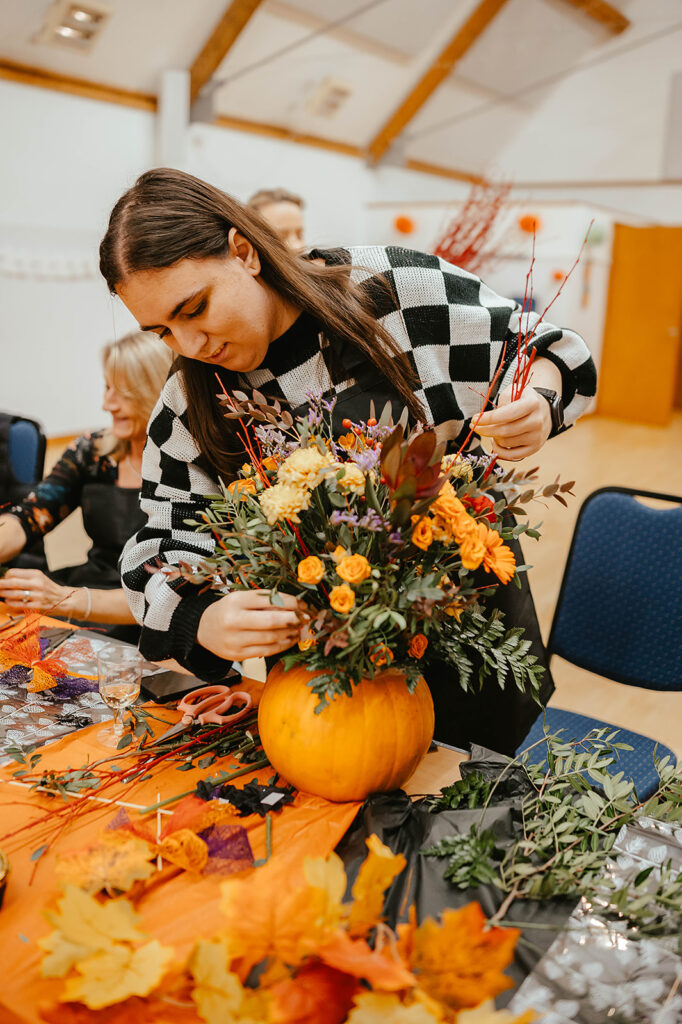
641, 351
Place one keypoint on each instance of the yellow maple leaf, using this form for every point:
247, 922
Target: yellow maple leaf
114, 974
387, 1008
459, 961
96, 940
376, 874
218, 994
266, 917
82, 921
115, 862
487, 1014
62, 955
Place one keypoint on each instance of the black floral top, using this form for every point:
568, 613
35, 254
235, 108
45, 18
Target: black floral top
55, 497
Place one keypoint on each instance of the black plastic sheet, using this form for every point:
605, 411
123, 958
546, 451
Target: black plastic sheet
407, 827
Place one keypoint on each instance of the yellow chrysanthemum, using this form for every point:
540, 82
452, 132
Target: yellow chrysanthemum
353, 479
283, 501
458, 467
304, 468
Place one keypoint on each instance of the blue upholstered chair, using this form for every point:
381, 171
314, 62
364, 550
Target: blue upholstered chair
22, 460
619, 612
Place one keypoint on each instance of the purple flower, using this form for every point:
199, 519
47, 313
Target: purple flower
396, 537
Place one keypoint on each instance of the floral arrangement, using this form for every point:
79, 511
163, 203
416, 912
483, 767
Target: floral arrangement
393, 545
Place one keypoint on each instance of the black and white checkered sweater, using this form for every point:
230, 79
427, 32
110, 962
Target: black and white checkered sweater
452, 328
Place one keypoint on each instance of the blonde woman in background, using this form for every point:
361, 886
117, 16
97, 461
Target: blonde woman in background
100, 472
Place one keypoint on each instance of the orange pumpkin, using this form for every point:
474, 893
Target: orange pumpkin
370, 742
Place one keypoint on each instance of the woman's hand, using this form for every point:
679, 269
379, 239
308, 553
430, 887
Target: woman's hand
518, 429
31, 589
244, 624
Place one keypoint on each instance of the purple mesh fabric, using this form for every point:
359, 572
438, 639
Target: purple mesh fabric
229, 849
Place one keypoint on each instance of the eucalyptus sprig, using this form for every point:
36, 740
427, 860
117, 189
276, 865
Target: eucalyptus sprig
568, 829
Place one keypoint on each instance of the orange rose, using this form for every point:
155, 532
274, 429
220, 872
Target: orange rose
342, 599
310, 570
270, 463
471, 543
422, 534
498, 558
381, 655
239, 489
338, 553
353, 568
418, 645
447, 504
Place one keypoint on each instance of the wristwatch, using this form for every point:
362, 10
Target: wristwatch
556, 408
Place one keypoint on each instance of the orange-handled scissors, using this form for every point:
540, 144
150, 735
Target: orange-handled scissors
208, 704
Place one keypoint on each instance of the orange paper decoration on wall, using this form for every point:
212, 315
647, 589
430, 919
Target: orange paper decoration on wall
558, 275
404, 224
530, 222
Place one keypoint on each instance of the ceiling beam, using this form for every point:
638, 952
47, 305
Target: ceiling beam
602, 12
234, 20
275, 131
461, 42
26, 74
444, 172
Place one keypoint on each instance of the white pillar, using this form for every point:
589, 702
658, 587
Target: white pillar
172, 120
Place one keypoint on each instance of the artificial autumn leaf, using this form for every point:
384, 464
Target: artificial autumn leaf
376, 874
381, 969
185, 849
84, 924
266, 917
114, 862
219, 995
487, 1014
386, 1008
318, 994
460, 961
112, 975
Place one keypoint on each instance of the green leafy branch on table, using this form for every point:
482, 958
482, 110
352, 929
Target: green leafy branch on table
568, 829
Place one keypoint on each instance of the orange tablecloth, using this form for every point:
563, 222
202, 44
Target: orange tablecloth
178, 912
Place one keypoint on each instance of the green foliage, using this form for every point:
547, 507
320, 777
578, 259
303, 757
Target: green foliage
568, 829
471, 791
471, 858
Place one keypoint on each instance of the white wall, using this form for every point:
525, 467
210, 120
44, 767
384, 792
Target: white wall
65, 162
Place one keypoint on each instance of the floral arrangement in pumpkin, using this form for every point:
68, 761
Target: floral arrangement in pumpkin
393, 545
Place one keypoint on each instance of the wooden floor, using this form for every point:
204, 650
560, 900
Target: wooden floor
594, 453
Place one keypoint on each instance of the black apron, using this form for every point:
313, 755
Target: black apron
111, 515
496, 718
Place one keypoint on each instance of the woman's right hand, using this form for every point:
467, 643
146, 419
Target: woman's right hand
245, 624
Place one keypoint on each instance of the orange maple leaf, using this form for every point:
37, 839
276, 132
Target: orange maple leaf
318, 994
376, 874
382, 969
267, 917
460, 961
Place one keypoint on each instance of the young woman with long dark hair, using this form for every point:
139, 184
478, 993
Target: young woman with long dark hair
361, 324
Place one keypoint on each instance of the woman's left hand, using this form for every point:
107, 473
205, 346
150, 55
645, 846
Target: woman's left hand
32, 590
518, 429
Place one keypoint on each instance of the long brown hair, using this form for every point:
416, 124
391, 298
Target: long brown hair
168, 216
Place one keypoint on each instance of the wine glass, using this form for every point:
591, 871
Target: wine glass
119, 670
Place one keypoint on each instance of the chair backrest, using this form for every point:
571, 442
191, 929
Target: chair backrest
22, 455
619, 611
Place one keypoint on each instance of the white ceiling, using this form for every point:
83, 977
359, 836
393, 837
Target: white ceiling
511, 77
